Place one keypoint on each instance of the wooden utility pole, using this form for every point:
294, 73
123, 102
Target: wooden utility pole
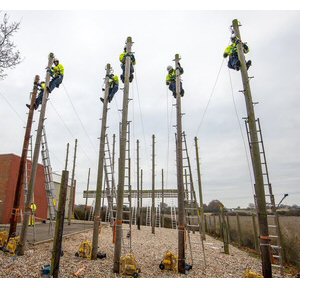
224, 230
141, 187
56, 253
138, 188
255, 233
85, 210
153, 185
23, 160
203, 236
100, 166
162, 199
60, 218
181, 209
256, 162
20, 250
71, 202
239, 230
67, 155
122, 159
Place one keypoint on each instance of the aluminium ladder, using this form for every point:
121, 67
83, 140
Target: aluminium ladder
109, 182
27, 175
28, 168
173, 215
272, 216
157, 216
91, 211
134, 215
127, 205
49, 183
192, 213
148, 216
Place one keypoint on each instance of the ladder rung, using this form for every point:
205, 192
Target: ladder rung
275, 265
192, 225
272, 226
276, 256
196, 242
273, 236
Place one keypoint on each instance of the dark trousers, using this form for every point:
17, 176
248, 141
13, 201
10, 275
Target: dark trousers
112, 92
39, 99
55, 82
172, 87
123, 72
233, 62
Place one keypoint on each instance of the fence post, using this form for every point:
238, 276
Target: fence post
255, 234
228, 228
214, 224
239, 230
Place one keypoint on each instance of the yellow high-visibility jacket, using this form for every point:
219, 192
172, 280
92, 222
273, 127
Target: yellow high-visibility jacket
58, 70
33, 207
122, 58
231, 49
113, 81
170, 77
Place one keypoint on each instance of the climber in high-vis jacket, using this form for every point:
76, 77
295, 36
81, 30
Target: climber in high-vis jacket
38, 101
122, 59
231, 51
33, 209
57, 74
171, 77
113, 87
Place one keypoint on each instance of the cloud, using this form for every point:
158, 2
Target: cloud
85, 41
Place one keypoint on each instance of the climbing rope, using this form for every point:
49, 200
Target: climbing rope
69, 131
212, 93
77, 115
169, 125
239, 124
140, 110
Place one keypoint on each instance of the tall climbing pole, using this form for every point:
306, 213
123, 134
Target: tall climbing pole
23, 235
153, 186
138, 188
60, 218
86, 200
256, 162
22, 164
100, 166
181, 210
141, 188
202, 221
71, 198
162, 199
122, 158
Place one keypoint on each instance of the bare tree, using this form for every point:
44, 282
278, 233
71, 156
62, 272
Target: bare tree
9, 56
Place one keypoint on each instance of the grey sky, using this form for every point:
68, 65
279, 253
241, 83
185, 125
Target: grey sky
87, 40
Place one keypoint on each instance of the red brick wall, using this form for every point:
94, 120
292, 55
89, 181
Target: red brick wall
9, 166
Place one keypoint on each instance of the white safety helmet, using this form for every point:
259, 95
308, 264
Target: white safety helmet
169, 68
56, 60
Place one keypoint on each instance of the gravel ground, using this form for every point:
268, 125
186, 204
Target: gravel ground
148, 249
